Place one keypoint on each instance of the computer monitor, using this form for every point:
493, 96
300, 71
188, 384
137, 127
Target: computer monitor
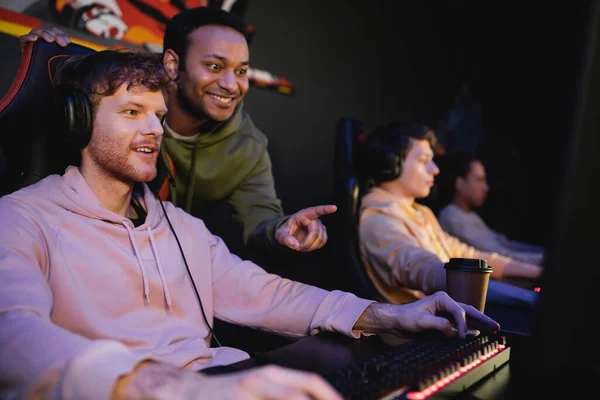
561, 357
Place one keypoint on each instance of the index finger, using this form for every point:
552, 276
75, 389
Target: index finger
316, 211
28, 38
445, 304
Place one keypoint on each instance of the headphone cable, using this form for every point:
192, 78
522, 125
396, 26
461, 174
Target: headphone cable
189, 273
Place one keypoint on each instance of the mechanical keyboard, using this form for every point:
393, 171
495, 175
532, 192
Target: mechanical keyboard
423, 368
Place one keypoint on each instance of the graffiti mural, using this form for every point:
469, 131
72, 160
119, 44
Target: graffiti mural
120, 23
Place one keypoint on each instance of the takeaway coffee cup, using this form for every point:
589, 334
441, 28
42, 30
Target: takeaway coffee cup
467, 280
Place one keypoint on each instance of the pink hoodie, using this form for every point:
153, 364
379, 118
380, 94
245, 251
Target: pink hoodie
85, 295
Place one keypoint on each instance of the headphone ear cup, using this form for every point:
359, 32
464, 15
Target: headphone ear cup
78, 117
399, 166
391, 167
385, 154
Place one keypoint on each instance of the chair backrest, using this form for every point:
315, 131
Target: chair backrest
29, 142
349, 186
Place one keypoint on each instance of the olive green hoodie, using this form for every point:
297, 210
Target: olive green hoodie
229, 161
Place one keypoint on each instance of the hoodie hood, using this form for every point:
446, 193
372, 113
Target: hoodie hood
75, 195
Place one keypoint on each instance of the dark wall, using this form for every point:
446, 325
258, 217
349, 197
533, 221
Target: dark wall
329, 50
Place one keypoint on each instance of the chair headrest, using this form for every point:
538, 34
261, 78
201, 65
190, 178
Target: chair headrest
24, 130
33, 82
350, 136
349, 181
350, 133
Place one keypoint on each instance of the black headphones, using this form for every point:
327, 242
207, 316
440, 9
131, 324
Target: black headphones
75, 110
385, 153
78, 117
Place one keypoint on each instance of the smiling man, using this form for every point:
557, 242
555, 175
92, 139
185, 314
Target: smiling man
216, 150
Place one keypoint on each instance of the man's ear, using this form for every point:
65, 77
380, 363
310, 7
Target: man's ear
171, 63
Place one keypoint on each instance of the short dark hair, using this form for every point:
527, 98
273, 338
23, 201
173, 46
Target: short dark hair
458, 163
454, 164
181, 25
412, 130
102, 73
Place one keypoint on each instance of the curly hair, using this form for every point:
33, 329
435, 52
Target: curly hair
101, 74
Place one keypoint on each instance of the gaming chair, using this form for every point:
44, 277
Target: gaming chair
349, 186
29, 141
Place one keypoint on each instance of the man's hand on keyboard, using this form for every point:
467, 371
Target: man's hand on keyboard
437, 312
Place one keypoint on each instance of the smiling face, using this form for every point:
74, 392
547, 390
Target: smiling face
213, 80
418, 170
126, 135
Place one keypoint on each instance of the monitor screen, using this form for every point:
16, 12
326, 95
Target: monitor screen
561, 355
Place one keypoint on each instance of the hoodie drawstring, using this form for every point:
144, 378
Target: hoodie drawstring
160, 269
137, 255
158, 263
